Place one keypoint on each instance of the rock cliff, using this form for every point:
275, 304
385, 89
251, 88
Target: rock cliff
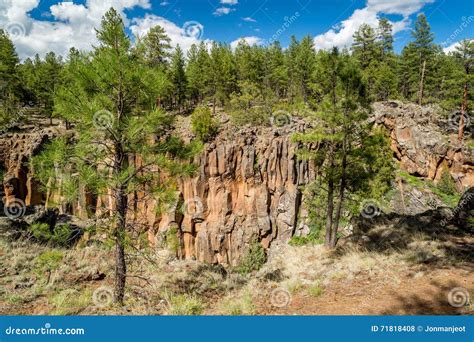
249, 183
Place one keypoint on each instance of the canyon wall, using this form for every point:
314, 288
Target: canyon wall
249, 182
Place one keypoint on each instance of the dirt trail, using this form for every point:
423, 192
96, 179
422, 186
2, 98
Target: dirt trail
413, 293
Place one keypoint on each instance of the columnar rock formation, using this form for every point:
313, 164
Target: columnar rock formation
249, 183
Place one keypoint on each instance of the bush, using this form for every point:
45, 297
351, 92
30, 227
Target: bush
249, 106
447, 185
254, 259
185, 305
49, 260
305, 240
62, 235
172, 240
202, 123
41, 231
315, 290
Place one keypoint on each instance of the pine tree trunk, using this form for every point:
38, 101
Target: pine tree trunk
342, 189
462, 124
330, 203
422, 83
120, 226
120, 266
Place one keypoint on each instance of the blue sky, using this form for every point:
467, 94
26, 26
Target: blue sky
39, 26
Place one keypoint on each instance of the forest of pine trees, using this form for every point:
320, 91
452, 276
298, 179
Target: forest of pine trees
224, 77
139, 84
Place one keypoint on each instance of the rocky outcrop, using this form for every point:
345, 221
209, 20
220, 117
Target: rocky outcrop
16, 149
249, 183
425, 144
247, 188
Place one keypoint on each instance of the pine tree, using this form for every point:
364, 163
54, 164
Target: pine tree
276, 70
120, 143
178, 77
465, 55
385, 36
365, 47
156, 47
342, 133
10, 88
222, 73
424, 53
301, 60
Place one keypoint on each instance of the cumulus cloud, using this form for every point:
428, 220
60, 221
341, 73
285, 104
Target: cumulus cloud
74, 24
251, 40
223, 11
341, 35
190, 33
451, 48
229, 2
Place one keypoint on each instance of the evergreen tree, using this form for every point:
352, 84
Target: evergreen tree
10, 89
222, 73
365, 47
178, 77
385, 36
48, 80
301, 60
342, 132
111, 103
156, 47
276, 70
422, 57
465, 55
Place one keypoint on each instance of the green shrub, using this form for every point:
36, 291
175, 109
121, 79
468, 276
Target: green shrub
41, 231
313, 239
254, 259
61, 236
172, 240
446, 190
315, 290
447, 185
185, 305
49, 260
249, 106
202, 123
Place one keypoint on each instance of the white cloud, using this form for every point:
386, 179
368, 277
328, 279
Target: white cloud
249, 19
223, 11
74, 25
451, 48
229, 2
403, 7
251, 40
178, 35
341, 35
